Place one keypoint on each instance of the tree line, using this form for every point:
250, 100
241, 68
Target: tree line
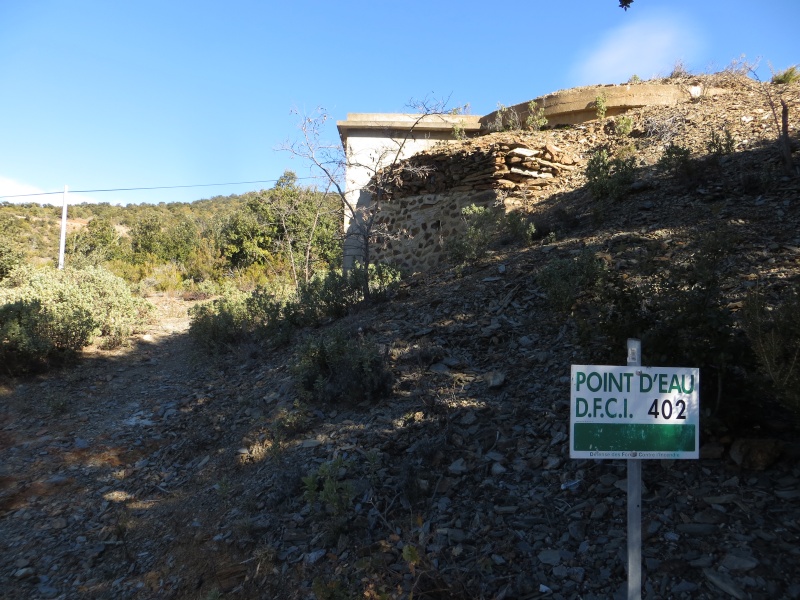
287, 232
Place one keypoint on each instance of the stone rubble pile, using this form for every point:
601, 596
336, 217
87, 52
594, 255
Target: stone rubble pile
494, 162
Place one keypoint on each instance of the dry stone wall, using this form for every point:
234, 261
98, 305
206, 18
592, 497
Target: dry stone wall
422, 208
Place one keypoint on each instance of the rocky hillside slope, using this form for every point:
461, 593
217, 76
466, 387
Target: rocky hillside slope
160, 473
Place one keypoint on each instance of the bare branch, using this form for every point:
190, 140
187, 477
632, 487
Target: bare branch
781, 122
332, 162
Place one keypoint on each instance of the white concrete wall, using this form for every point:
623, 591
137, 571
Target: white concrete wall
373, 141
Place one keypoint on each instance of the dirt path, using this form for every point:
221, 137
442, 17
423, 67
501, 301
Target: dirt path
68, 440
148, 473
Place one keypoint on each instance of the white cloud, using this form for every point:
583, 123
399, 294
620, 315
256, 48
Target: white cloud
647, 47
11, 187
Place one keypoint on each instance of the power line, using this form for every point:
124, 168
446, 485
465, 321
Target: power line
159, 187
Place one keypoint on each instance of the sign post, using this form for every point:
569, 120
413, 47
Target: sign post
634, 413
634, 500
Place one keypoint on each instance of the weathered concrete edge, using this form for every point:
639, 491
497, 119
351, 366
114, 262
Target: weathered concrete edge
570, 107
405, 121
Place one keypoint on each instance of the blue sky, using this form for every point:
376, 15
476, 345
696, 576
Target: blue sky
110, 94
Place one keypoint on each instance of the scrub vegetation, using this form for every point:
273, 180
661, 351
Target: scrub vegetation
410, 438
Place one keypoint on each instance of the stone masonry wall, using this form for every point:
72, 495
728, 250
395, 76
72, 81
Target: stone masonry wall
423, 207
415, 228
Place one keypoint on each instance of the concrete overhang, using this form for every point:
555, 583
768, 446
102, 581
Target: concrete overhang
375, 122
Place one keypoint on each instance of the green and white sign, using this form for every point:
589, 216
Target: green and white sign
634, 412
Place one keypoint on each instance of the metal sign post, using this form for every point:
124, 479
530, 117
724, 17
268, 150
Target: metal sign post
634, 500
634, 413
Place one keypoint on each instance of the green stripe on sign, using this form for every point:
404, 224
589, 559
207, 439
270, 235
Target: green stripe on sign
639, 437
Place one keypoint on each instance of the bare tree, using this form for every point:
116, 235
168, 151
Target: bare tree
331, 163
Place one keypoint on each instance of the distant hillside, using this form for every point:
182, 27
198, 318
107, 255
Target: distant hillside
36, 228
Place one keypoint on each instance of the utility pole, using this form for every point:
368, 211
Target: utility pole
63, 243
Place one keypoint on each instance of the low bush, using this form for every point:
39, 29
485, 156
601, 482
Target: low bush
271, 314
48, 314
757, 181
201, 290
485, 225
681, 316
677, 162
563, 280
775, 337
221, 323
609, 178
117, 311
623, 125
720, 144
329, 295
266, 319
790, 75
334, 293
482, 224
521, 228
601, 106
326, 491
339, 367
675, 158
679, 71
536, 120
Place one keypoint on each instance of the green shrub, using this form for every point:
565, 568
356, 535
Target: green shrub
675, 158
601, 106
266, 317
482, 224
520, 228
324, 485
338, 367
775, 337
334, 293
563, 280
201, 290
383, 280
623, 126
10, 258
271, 314
790, 75
168, 277
535, 120
116, 310
720, 144
635, 79
26, 332
609, 178
757, 181
329, 295
221, 323
46, 314
291, 421
682, 318
677, 162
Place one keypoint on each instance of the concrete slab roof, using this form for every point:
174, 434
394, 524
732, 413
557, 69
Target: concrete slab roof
404, 121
